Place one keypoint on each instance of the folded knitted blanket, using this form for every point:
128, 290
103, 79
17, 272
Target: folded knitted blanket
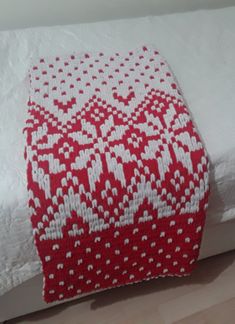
117, 173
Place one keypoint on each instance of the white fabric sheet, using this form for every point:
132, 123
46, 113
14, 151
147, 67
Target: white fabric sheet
200, 48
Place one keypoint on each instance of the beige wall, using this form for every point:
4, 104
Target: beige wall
26, 13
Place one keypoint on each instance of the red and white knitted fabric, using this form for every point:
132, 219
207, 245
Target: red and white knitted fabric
117, 174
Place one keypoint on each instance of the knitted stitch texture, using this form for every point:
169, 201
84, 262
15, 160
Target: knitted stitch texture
117, 173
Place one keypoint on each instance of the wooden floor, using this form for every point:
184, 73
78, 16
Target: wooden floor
207, 297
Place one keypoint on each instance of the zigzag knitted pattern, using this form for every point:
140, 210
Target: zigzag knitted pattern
117, 174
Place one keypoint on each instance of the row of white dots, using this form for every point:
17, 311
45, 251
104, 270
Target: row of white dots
117, 267
115, 280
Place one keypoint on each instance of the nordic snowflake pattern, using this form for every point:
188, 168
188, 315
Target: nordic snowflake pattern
117, 174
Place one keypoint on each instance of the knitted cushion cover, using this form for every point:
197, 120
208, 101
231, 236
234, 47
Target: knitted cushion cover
117, 174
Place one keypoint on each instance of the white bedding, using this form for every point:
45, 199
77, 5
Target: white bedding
199, 46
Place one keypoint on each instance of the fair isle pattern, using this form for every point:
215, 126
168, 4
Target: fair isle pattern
117, 174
